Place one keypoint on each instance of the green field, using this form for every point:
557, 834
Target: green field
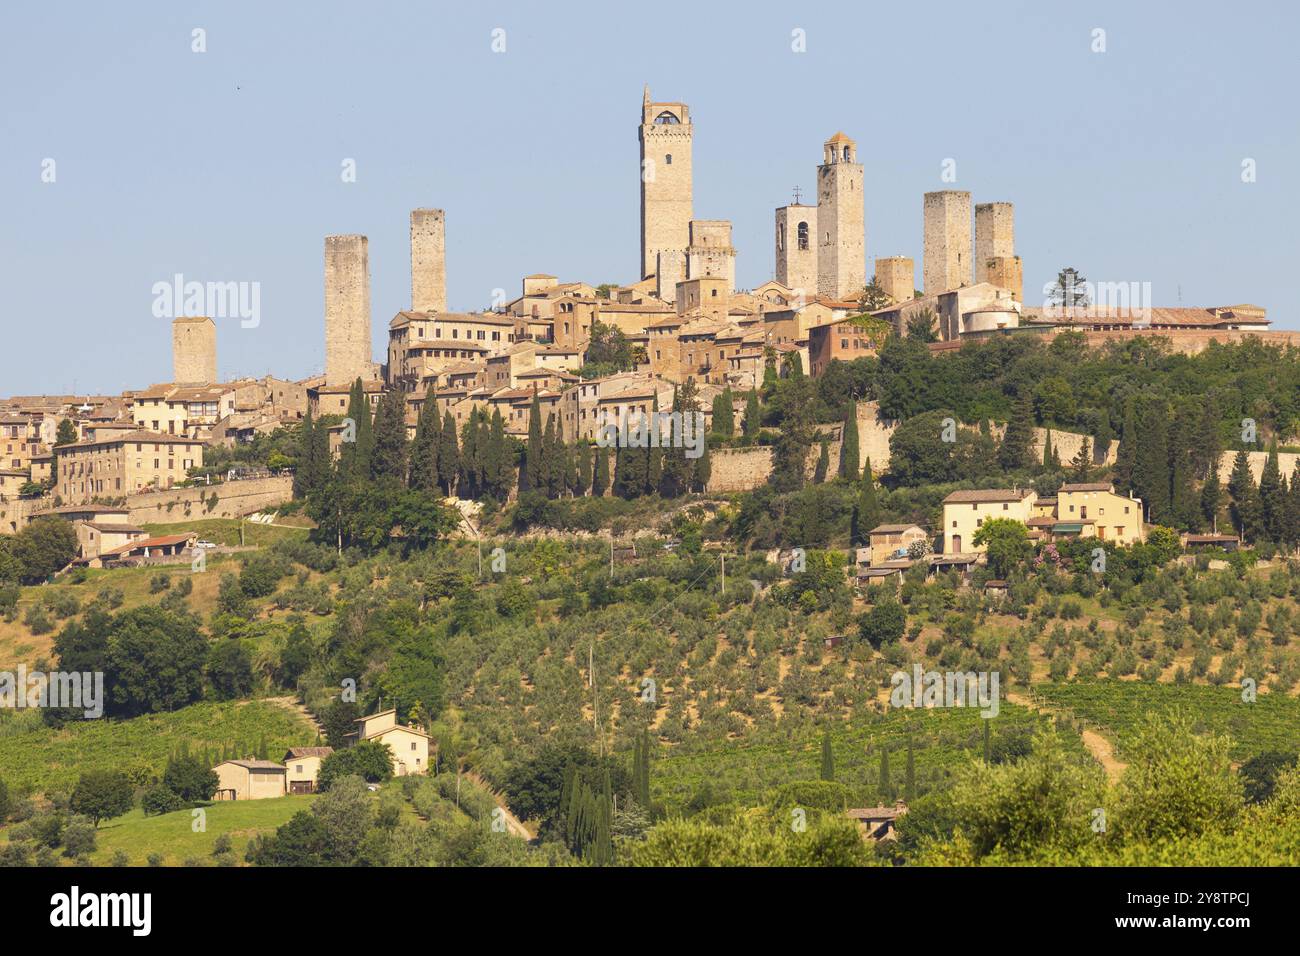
43, 758
226, 530
172, 834
751, 770
1272, 722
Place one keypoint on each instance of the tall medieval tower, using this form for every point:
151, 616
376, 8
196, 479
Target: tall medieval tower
194, 350
947, 246
796, 248
428, 261
666, 208
841, 226
348, 354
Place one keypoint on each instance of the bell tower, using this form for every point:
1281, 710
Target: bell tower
666, 208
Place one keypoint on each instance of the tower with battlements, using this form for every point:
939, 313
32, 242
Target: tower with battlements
666, 206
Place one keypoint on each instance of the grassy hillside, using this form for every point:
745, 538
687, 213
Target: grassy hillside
44, 758
226, 530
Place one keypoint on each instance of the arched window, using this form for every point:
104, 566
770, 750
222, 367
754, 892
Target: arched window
666, 119
803, 236
668, 159
846, 154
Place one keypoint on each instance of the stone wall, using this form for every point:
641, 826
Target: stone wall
1286, 462
234, 499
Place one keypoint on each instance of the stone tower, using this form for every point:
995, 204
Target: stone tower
896, 276
428, 261
995, 235
710, 252
1006, 272
666, 207
841, 230
947, 251
348, 354
796, 248
194, 350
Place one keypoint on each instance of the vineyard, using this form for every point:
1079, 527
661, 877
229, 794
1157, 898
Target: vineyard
42, 758
1270, 723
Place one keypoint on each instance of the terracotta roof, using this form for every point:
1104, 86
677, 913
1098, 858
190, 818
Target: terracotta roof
255, 764
308, 752
159, 542
891, 528
137, 436
1088, 486
986, 496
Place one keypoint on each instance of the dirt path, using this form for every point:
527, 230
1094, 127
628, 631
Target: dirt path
1102, 750
293, 705
513, 823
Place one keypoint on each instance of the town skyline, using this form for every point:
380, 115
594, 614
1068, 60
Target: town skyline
262, 220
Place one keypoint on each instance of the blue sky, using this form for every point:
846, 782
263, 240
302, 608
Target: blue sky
225, 165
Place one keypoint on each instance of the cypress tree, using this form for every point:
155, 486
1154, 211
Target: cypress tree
909, 781
1126, 455
752, 421
828, 758
1151, 466
1211, 499
1183, 503
1272, 497
498, 461
987, 741
533, 475
886, 785
388, 459
600, 472
823, 463
448, 455
1017, 440
866, 510
850, 450
313, 468
1081, 465
584, 470
1245, 507
424, 450
1048, 454
654, 456
1291, 513
355, 459
703, 471
724, 414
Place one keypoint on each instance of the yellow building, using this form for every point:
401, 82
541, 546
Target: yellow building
249, 779
1099, 512
965, 511
123, 464
887, 540
302, 768
409, 745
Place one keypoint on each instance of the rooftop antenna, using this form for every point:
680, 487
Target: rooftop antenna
796, 196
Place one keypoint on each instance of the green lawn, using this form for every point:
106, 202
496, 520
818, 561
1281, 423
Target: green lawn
43, 758
173, 834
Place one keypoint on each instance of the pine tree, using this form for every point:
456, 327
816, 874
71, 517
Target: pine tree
1017, 440
424, 450
600, 473
1272, 497
866, 509
753, 420
448, 455
850, 450
823, 463
828, 758
388, 459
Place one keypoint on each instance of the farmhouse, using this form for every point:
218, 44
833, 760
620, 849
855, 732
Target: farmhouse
302, 767
409, 745
249, 779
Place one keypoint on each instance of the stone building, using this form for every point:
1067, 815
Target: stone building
710, 252
841, 257
428, 261
666, 135
194, 350
348, 353
896, 277
947, 242
124, 463
796, 249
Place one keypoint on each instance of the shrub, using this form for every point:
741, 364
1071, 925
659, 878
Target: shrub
160, 799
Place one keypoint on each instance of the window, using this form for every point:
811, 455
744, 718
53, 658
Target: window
668, 159
412, 744
666, 119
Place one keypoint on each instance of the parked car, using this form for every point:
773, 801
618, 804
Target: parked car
205, 544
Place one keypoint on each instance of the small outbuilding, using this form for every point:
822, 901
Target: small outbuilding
249, 779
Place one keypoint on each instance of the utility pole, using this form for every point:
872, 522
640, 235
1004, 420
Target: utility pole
724, 572
611, 554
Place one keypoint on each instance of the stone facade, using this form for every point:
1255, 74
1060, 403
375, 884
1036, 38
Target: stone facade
796, 249
666, 135
429, 261
995, 236
896, 277
841, 226
710, 252
194, 350
348, 353
947, 244
1007, 272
